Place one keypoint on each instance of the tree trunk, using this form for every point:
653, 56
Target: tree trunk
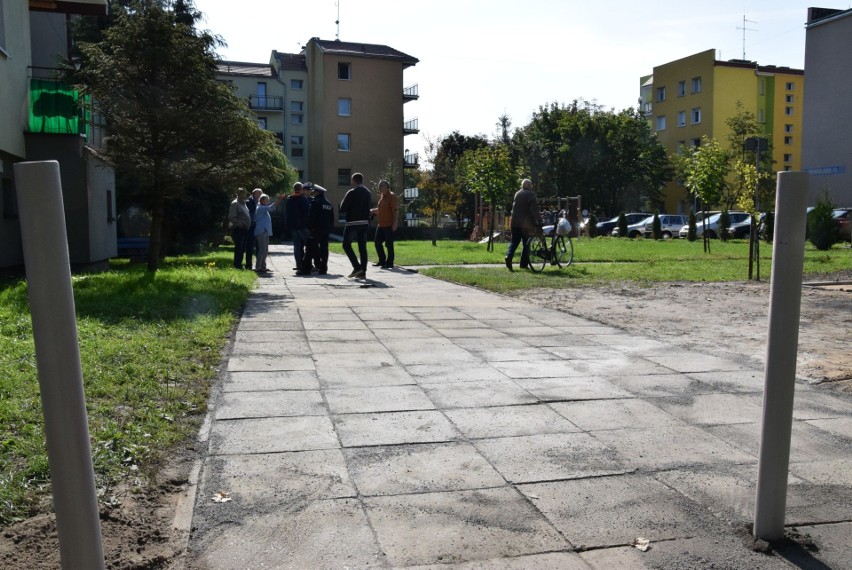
156, 240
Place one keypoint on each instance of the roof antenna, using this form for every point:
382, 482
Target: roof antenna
745, 29
337, 21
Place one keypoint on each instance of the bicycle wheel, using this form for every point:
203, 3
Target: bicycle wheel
539, 253
563, 249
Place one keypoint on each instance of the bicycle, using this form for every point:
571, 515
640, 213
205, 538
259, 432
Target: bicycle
560, 252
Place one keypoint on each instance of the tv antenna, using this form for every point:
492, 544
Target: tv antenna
337, 21
745, 29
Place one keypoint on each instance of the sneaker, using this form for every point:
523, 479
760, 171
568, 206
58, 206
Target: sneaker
354, 272
360, 274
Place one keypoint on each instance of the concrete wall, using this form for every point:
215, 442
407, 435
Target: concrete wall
14, 59
827, 122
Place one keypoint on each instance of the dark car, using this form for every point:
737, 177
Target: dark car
605, 228
843, 222
740, 230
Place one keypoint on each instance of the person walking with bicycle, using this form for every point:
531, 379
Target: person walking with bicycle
525, 223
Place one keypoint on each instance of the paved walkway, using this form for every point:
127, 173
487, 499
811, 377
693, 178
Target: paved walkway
407, 422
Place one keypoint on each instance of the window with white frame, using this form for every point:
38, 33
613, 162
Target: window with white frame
344, 142
344, 106
696, 115
762, 90
788, 128
344, 176
297, 140
661, 123
297, 118
761, 116
661, 93
788, 157
297, 84
297, 152
790, 86
681, 88
297, 106
788, 111
344, 71
261, 122
696, 143
681, 118
790, 99
696, 85
788, 140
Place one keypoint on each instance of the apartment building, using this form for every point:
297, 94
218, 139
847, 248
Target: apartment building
341, 110
694, 96
826, 146
40, 119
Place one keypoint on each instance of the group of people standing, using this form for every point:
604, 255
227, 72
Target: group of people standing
310, 222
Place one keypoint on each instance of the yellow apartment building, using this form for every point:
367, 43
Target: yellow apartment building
694, 96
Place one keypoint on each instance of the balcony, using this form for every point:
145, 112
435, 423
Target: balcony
410, 93
55, 107
410, 127
266, 103
410, 160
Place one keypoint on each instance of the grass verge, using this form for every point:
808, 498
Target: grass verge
149, 347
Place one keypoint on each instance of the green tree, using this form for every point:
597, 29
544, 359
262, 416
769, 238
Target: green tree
622, 225
488, 171
656, 226
445, 155
704, 170
172, 125
821, 227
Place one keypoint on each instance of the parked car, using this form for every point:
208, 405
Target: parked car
605, 228
670, 225
740, 230
843, 221
713, 224
634, 230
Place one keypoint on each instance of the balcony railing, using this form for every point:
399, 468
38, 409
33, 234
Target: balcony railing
55, 106
410, 127
410, 160
266, 103
410, 93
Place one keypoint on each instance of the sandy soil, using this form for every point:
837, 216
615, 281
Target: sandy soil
715, 318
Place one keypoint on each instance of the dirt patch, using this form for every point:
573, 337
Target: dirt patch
716, 318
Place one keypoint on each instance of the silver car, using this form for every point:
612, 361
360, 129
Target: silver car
670, 225
713, 224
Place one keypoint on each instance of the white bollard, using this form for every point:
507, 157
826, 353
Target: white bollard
785, 300
69, 451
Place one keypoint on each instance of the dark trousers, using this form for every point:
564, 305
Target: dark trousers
249, 246
384, 236
316, 253
359, 233
518, 236
240, 237
300, 239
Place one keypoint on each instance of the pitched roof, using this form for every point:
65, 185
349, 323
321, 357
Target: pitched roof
245, 68
338, 47
290, 61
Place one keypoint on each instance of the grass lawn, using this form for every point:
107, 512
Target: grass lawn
149, 348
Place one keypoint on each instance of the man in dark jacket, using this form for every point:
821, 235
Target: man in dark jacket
296, 221
526, 222
320, 222
355, 209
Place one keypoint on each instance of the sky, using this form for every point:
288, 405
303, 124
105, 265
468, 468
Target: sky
481, 59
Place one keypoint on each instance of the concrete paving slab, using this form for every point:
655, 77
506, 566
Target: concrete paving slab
661, 385
826, 472
598, 415
271, 435
339, 376
715, 409
484, 333
275, 326
269, 363
494, 343
323, 347
429, 355
377, 399
664, 448
456, 372
550, 457
420, 468
811, 405
617, 557
459, 526
320, 534
572, 388
233, 405
482, 393
549, 561
375, 357
587, 351
538, 369
833, 542
277, 380
276, 348
807, 443
341, 335
613, 511
716, 550
695, 362
353, 324
282, 337
509, 421
732, 382
393, 428
522, 354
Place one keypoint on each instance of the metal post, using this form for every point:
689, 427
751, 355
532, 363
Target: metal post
785, 298
48, 270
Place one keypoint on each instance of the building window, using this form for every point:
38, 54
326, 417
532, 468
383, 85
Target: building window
261, 122
789, 99
344, 141
761, 116
297, 106
297, 140
301, 174
696, 85
297, 152
696, 143
788, 128
788, 158
788, 140
788, 111
344, 176
297, 118
297, 84
344, 71
661, 93
344, 107
681, 118
681, 88
696, 116
790, 86
661, 123
763, 87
